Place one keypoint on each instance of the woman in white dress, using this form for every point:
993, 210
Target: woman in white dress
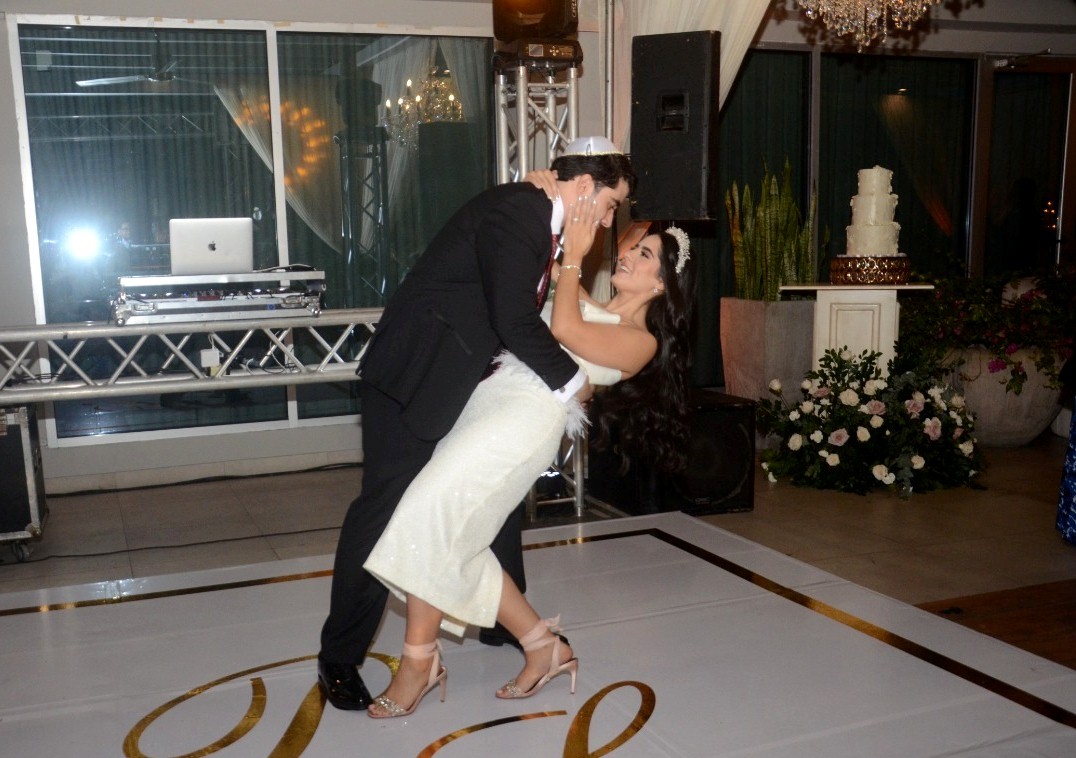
435, 551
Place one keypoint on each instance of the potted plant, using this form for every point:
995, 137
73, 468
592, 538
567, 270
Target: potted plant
772, 244
1004, 343
851, 429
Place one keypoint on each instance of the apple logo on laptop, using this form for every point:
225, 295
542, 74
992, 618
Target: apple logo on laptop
213, 246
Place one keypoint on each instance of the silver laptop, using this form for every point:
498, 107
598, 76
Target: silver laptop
211, 246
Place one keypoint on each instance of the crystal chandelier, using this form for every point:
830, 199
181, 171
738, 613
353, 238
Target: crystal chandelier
438, 100
865, 20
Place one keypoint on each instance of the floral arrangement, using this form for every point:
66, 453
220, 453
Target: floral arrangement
853, 430
1036, 322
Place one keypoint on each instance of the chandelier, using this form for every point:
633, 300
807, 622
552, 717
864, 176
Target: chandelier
437, 100
865, 20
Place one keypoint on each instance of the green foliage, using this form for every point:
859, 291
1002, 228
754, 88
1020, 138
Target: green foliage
853, 430
771, 244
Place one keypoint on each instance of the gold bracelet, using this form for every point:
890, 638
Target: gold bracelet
568, 265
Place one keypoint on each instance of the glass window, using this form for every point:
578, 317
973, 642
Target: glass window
1027, 156
131, 127
384, 138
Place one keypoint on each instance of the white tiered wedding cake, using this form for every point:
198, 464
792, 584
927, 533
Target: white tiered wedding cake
872, 255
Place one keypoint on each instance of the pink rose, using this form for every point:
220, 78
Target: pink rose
915, 407
995, 365
932, 428
875, 407
838, 437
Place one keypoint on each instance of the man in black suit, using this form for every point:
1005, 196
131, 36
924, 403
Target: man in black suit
476, 290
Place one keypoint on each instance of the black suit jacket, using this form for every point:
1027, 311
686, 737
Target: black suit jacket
471, 293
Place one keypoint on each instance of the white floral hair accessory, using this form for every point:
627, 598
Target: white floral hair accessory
684, 242
592, 146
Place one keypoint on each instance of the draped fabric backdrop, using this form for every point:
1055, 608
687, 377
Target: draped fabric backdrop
310, 116
737, 20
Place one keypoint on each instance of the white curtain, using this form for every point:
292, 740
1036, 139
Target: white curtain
310, 118
737, 20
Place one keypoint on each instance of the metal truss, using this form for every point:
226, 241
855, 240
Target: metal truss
113, 127
71, 361
371, 273
536, 113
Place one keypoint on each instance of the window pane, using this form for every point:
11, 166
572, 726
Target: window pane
369, 184
912, 116
128, 129
1027, 155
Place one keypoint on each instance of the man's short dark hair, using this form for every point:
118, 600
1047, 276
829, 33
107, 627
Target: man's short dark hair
606, 170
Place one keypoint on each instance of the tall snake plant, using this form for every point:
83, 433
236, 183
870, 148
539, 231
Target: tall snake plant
771, 245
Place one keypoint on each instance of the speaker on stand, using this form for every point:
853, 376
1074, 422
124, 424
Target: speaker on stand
674, 112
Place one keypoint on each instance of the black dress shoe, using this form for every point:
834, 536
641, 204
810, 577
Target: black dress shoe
342, 685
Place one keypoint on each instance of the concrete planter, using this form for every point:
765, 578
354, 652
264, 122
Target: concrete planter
763, 340
1003, 419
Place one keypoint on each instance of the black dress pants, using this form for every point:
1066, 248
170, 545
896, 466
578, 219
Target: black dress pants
392, 458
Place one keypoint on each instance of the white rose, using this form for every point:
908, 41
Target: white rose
876, 421
967, 448
807, 407
849, 397
794, 416
862, 434
807, 385
833, 459
881, 384
889, 478
870, 387
918, 462
771, 477
765, 466
879, 471
957, 401
775, 386
795, 442
816, 436
854, 385
823, 453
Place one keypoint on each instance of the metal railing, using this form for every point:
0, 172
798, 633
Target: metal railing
70, 361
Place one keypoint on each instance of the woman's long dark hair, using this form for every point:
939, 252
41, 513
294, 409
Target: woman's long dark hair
646, 417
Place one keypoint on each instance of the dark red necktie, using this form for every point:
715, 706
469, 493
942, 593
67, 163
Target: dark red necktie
543, 285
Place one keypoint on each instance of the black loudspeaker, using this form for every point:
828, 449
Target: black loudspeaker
541, 19
720, 475
674, 112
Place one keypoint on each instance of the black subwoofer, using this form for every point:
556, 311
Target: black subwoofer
674, 112
720, 475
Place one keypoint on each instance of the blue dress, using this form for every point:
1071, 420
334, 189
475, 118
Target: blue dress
1066, 506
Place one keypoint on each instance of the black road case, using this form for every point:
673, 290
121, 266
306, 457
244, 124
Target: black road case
22, 485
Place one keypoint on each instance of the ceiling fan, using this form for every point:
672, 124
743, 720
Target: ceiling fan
163, 71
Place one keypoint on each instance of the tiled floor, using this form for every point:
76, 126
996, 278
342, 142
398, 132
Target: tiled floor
930, 547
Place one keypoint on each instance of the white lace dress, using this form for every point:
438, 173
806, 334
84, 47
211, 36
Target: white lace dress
436, 546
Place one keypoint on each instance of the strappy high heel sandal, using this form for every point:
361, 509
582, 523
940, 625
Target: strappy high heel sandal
386, 708
544, 634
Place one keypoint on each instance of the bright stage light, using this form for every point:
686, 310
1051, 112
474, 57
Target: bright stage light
83, 244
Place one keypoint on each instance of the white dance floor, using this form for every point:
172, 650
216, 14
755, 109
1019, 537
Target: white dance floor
692, 642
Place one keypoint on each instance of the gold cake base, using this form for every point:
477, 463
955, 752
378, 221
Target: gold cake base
847, 269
